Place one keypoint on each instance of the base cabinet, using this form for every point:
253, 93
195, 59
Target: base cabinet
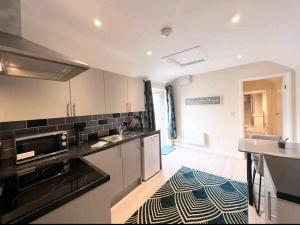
123, 164
91, 208
131, 153
278, 211
110, 161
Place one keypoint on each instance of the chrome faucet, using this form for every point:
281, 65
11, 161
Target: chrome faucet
121, 129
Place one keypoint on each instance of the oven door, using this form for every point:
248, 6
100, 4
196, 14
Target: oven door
39, 146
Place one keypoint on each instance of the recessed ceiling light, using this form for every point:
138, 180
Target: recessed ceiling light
97, 23
149, 53
239, 56
236, 19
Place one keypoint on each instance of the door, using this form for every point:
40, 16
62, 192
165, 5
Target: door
255, 112
116, 93
136, 94
110, 161
26, 99
151, 156
131, 153
160, 110
87, 93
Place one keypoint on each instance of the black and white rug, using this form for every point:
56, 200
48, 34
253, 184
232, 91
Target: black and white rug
192, 196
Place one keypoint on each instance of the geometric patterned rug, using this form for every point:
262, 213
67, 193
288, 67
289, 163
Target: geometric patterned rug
192, 196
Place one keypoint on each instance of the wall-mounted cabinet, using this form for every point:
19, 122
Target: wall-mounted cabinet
136, 94
90, 93
116, 93
25, 99
87, 93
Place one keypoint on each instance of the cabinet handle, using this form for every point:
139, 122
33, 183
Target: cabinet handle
68, 109
270, 197
74, 109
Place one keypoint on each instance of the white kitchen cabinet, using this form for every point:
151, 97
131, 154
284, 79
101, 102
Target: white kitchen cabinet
136, 99
110, 161
116, 93
131, 153
87, 93
92, 207
278, 211
26, 99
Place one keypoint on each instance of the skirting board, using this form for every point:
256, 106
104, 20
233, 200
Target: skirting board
236, 154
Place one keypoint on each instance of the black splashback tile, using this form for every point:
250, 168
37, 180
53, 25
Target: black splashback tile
37, 123
72, 119
101, 125
27, 131
57, 121
102, 122
116, 115
12, 125
47, 129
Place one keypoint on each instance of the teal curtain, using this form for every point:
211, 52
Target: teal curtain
149, 116
172, 133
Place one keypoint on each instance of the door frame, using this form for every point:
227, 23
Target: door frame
164, 133
287, 102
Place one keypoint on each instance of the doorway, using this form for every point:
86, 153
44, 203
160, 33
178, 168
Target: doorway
266, 107
160, 111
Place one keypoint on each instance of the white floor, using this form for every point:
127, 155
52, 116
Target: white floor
226, 166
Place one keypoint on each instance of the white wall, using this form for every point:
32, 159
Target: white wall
221, 123
297, 99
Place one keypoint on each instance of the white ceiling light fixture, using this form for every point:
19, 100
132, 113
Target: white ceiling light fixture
166, 31
149, 53
236, 19
240, 56
97, 23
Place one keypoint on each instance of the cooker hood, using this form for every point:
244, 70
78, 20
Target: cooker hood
23, 58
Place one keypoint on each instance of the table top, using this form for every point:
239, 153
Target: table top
267, 147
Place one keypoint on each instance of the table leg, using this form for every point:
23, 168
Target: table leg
249, 178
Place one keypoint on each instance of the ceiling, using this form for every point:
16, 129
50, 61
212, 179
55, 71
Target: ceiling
268, 30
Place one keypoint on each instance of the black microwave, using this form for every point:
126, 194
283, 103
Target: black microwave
34, 147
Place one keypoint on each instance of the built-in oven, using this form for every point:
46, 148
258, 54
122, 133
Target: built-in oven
29, 148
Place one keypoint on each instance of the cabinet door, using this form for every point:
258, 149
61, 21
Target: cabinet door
87, 92
270, 198
116, 92
131, 162
25, 99
110, 161
136, 94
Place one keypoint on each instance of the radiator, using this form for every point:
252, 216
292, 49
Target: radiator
194, 138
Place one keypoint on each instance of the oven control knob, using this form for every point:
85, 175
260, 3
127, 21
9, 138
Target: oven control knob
64, 143
63, 137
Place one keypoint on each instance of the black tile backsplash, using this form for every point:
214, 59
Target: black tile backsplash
102, 122
96, 126
12, 125
37, 123
116, 115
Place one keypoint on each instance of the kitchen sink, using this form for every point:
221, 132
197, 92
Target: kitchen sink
120, 137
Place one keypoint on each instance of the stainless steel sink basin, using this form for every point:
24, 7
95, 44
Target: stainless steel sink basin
118, 137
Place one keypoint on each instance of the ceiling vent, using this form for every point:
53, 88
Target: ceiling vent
188, 57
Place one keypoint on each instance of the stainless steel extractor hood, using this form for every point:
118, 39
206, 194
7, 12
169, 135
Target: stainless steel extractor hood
23, 58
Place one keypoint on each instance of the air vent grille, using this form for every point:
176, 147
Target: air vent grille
188, 57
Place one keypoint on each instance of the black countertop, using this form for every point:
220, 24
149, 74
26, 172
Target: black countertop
26, 197
9, 168
285, 175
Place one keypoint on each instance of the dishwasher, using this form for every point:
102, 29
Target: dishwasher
151, 156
